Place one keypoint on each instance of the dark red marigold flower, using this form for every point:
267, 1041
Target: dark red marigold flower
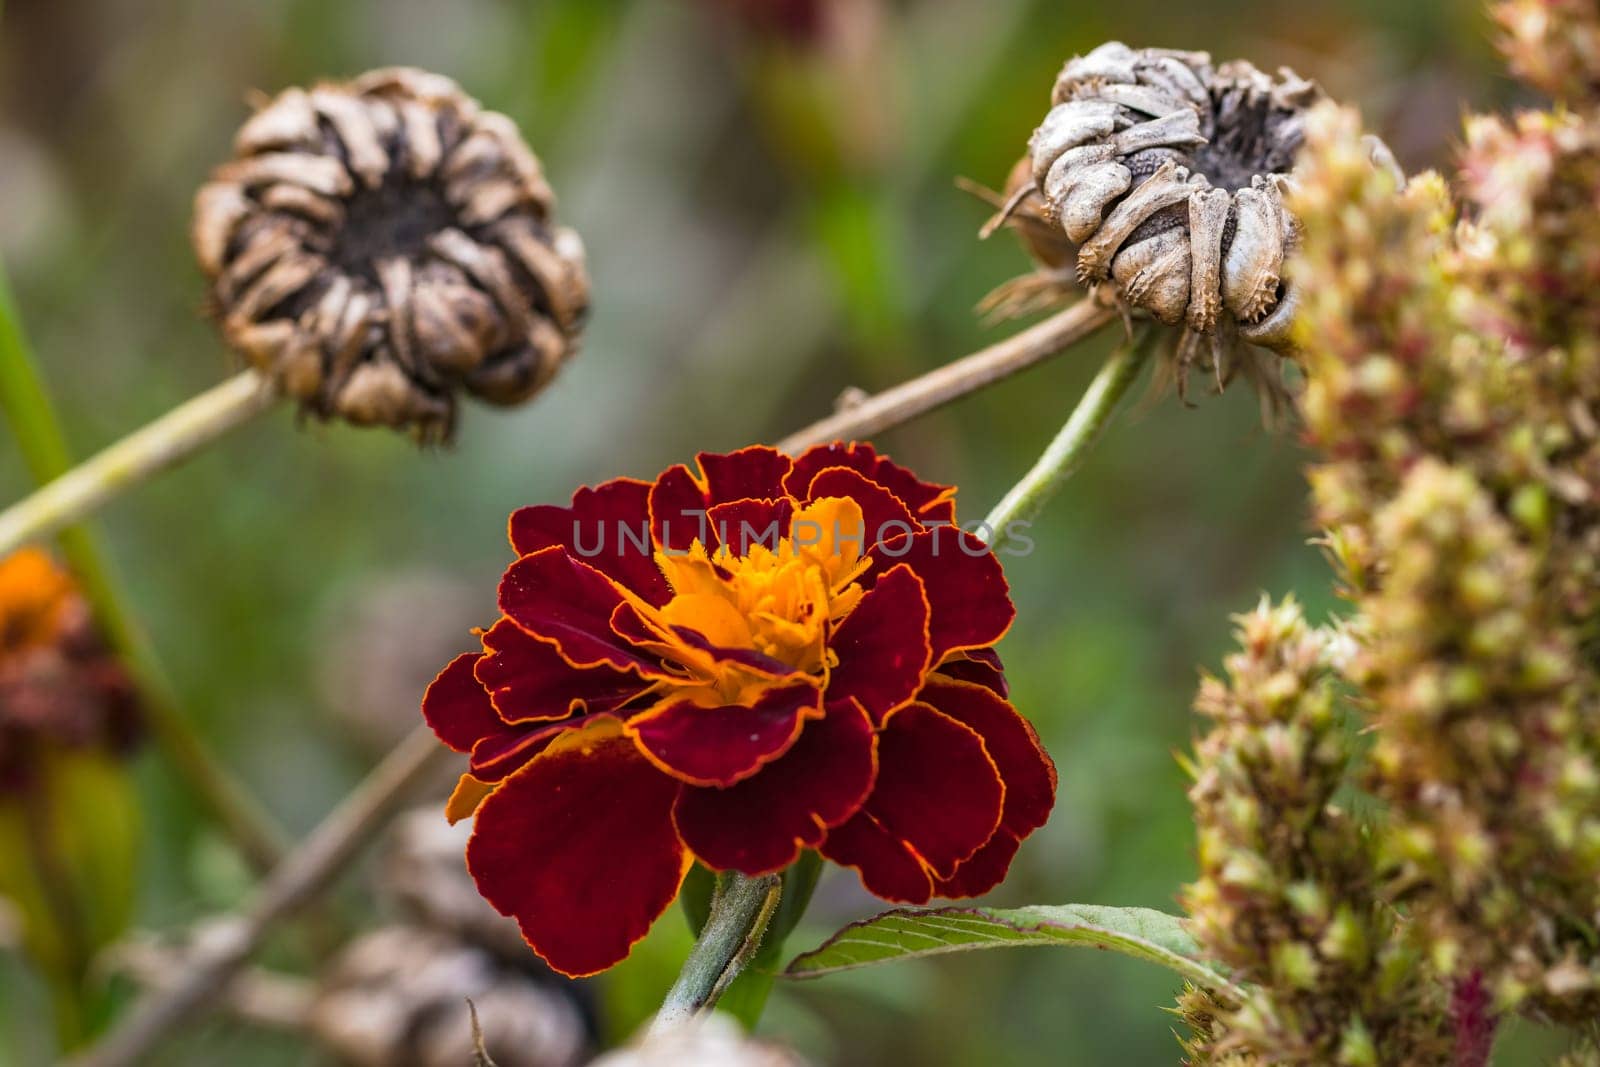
733, 665
59, 687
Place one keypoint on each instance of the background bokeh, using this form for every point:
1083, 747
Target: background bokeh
771, 217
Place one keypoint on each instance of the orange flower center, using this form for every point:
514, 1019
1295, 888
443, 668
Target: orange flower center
34, 594
777, 596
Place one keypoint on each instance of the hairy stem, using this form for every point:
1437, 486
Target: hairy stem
1066, 452
27, 407
740, 911
295, 883
169, 440
952, 381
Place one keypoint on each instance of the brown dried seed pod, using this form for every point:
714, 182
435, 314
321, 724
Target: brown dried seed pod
1167, 173
377, 245
397, 997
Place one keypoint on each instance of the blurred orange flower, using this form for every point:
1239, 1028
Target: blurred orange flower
59, 686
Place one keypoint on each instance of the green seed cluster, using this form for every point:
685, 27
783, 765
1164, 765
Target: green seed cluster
1286, 897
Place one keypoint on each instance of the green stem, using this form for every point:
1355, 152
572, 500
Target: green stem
26, 405
746, 998
72, 495
740, 912
1064, 454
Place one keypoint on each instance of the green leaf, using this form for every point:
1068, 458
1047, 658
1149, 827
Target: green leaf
912, 933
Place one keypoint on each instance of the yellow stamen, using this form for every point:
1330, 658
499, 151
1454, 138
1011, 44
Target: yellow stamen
778, 601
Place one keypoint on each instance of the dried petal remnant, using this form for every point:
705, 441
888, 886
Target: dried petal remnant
378, 245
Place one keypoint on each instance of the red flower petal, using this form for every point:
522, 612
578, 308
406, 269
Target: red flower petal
753, 473
721, 745
937, 789
743, 524
887, 868
458, 708
884, 515
579, 848
965, 585
1027, 770
499, 755
760, 825
883, 645
530, 681
937, 800
556, 598
678, 512
981, 666
680, 502
929, 502
607, 527
986, 869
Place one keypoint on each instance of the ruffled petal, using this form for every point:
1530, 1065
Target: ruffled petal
580, 849
607, 527
760, 824
743, 524
530, 681
929, 503
558, 599
678, 511
937, 800
980, 666
753, 473
722, 745
965, 585
1028, 772
986, 869
500, 755
681, 501
458, 708
884, 515
938, 790
883, 645
887, 868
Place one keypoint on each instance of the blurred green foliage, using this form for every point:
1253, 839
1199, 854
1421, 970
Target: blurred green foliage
767, 224
68, 855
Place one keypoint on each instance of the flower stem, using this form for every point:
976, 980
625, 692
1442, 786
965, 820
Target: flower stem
745, 998
26, 405
1066, 452
952, 381
169, 440
732, 935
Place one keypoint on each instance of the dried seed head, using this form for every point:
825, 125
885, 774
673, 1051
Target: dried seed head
376, 245
397, 997
707, 1041
422, 877
1168, 174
